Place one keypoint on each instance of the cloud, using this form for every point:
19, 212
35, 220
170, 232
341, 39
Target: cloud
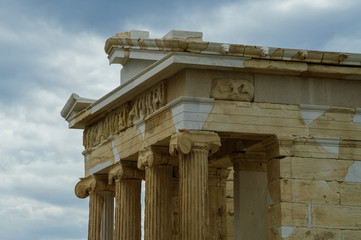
27, 218
296, 24
41, 159
48, 57
44, 61
39, 167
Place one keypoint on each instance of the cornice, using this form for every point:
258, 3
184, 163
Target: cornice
122, 42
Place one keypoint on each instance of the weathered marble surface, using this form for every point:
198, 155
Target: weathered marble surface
204, 121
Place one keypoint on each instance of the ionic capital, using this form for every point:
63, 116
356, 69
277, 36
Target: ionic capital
184, 142
153, 156
92, 183
124, 170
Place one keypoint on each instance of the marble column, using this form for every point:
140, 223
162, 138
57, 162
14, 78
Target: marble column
96, 202
127, 200
158, 193
107, 224
217, 203
93, 186
193, 149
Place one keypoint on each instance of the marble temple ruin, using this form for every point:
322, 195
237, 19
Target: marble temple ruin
233, 142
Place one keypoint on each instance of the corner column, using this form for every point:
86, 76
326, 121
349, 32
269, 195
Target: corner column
158, 192
127, 200
193, 149
95, 186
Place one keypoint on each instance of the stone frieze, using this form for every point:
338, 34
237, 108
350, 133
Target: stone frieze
125, 116
147, 103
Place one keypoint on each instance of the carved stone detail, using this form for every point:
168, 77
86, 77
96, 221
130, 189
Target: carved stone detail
92, 183
147, 103
184, 142
113, 123
153, 156
125, 116
124, 170
232, 89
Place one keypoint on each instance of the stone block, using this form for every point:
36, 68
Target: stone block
351, 235
305, 191
350, 194
319, 168
335, 216
288, 214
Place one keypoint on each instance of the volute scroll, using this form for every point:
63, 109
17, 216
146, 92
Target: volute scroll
185, 142
92, 183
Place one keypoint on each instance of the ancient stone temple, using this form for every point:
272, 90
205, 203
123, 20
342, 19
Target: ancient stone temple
232, 141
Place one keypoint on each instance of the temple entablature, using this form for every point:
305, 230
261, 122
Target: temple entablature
230, 139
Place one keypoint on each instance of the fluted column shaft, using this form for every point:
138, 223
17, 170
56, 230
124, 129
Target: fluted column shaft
158, 202
194, 195
127, 209
107, 224
93, 186
193, 149
128, 180
156, 162
96, 202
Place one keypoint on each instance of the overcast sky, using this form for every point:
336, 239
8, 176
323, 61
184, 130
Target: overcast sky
51, 48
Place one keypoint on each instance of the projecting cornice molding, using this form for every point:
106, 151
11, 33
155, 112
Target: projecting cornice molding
185, 41
74, 105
